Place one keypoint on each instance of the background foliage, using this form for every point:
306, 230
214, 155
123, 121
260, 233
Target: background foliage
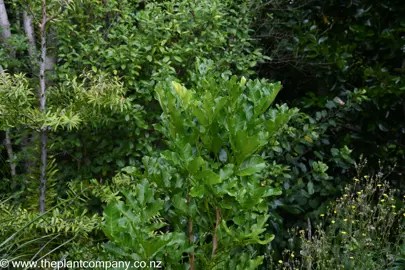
158, 117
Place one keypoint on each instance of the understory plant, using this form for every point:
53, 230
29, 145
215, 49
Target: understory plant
26, 233
363, 229
202, 205
63, 231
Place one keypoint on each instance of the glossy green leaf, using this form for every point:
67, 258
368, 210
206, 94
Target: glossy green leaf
251, 166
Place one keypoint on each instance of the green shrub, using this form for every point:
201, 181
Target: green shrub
308, 165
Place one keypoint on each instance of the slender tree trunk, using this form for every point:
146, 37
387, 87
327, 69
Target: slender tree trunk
4, 22
9, 149
30, 33
42, 101
32, 52
5, 31
44, 156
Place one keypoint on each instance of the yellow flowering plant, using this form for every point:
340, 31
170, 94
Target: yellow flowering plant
367, 238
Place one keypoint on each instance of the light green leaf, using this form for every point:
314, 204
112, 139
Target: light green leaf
195, 165
253, 165
111, 217
197, 191
226, 171
209, 177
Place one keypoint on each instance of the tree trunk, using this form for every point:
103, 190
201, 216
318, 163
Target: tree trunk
9, 148
32, 52
5, 31
42, 106
44, 157
30, 32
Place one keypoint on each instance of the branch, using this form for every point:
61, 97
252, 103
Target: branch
352, 128
190, 234
62, 9
31, 11
309, 239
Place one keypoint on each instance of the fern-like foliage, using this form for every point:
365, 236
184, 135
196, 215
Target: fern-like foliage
30, 235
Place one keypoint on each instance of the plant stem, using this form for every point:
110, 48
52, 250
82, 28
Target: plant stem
309, 239
190, 233
215, 239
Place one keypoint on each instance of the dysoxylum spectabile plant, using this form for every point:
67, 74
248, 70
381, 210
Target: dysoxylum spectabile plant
202, 204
